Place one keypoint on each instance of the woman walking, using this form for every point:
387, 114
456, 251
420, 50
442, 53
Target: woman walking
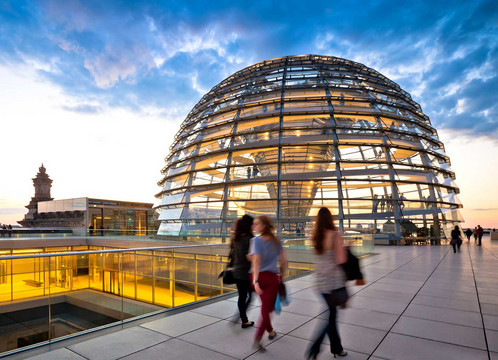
239, 250
456, 239
327, 241
266, 249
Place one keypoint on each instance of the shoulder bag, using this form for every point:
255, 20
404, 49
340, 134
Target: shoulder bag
227, 274
339, 296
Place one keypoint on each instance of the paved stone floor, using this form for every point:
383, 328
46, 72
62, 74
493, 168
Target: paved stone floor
420, 302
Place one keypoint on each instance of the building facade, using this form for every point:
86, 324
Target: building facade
100, 216
287, 136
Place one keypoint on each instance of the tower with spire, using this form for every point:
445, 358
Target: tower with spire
42, 184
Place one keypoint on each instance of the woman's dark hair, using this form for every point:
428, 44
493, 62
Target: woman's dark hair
324, 221
243, 226
268, 229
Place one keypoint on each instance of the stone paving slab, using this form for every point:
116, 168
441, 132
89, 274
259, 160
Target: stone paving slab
59, 354
356, 338
176, 349
420, 302
180, 324
381, 305
396, 347
491, 322
458, 317
305, 307
289, 347
440, 331
224, 337
222, 309
118, 344
285, 322
492, 340
365, 318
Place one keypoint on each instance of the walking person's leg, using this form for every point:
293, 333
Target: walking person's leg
268, 282
454, 248
314, 349
241, 302
480, 240
335, 339
249, 293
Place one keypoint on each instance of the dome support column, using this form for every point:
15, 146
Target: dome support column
224, 209
337, 156
392, 179
279, 166
436, 229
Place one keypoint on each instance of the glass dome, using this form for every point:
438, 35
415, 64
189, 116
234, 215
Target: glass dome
287, 136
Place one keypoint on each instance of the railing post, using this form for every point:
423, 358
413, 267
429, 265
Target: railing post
221, 279
122, 283
195, 277
135, 261
49, 304
172, 277
12, 279
153, 259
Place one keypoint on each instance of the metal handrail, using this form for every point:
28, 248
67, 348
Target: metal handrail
13, 257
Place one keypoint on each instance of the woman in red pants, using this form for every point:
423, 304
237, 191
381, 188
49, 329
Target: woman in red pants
266, 249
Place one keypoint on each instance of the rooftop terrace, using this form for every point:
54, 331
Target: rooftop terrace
420, 302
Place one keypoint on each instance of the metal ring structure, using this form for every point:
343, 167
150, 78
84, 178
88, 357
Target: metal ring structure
287, 136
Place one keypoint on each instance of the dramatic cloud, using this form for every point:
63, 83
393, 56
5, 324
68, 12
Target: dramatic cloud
445, 57
153, 54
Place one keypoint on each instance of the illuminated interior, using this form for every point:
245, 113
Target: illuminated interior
164, 278
167, 278
287, 136
54, 291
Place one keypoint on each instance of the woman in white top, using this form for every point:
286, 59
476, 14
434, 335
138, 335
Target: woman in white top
327, 242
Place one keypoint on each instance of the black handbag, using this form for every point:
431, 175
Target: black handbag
339, 297
227, 275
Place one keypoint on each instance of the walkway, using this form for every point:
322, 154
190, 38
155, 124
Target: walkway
420, 302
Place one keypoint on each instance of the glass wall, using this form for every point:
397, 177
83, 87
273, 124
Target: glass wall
168, 276
107, 217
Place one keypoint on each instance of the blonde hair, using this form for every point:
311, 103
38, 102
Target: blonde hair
268, 229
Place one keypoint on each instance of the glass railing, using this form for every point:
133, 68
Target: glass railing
70, 292
360, 245
151, 236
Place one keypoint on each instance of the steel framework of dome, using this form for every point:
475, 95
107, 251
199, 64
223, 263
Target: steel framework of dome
287, 136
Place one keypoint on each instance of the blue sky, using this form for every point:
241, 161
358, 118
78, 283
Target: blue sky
151, 61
